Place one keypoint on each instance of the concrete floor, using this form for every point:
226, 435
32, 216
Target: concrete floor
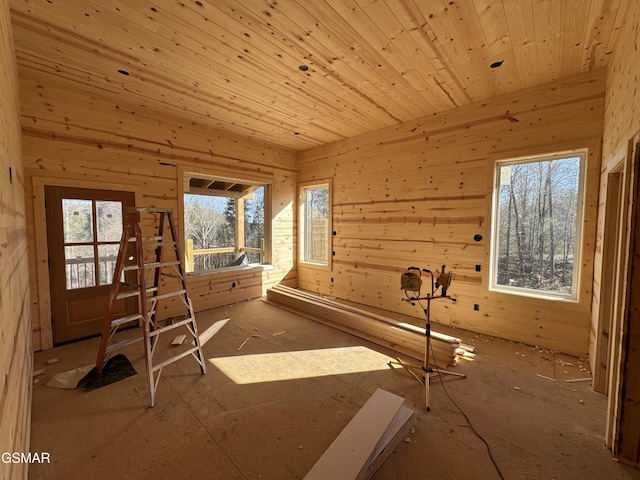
270, 409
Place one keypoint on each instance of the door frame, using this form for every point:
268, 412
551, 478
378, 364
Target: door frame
613, 225
621, 297
42, 315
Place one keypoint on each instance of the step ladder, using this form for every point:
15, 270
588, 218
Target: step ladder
152, 258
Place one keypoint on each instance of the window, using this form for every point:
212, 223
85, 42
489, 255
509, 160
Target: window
92, 231
224, 223
315, 215
537, 210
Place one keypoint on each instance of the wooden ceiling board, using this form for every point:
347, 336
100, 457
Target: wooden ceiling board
575, 16
340, 49
547, 40
440, 79
232, 65
391, 48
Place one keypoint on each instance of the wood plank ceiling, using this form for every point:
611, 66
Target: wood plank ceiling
238, 66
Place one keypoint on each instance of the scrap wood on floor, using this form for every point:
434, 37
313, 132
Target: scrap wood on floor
366, 441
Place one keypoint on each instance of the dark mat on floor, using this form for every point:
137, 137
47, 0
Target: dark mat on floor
115, 369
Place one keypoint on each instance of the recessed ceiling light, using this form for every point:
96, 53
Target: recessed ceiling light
123, 72
496, 64
303, 68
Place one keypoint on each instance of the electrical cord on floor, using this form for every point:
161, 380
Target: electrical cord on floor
461, 411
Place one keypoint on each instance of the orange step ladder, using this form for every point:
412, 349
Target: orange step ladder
151, 258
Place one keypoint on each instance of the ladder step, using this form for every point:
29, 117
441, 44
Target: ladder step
166, 295
158, 331
148, 210
134, 293
161, 244
123, 343
152, 265
130, 318
154, 238
174, 359
150, 240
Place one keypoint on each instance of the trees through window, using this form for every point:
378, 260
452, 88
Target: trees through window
536, 229
315, 215
224, 226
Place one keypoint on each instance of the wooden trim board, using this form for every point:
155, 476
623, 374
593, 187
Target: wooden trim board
366, 441
401, 337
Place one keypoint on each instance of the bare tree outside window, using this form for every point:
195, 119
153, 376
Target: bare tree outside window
210, 224
316, 224
536, 237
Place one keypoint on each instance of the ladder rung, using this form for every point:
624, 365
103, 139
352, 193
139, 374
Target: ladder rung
161, 244
166, 295
148, 210
134, 293
152, 265
161, 264
158, 331
174, 359
123, 344
127, 319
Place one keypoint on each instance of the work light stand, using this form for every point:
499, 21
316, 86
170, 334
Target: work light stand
424, 373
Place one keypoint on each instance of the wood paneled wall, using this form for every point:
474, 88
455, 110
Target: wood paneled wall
77, 135
416, 194
16, 359
620, 154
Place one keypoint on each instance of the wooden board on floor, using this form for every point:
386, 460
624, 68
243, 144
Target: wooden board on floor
401, 337
356, 453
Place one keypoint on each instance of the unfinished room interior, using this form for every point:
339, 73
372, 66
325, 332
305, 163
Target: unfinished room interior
319, 239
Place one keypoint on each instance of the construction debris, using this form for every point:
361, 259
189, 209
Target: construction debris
245, 342
211, 331
367, 440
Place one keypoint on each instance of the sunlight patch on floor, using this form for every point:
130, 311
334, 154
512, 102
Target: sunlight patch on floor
275, 367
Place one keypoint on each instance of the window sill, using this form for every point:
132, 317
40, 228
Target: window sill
534, 294
240, 268
318, 265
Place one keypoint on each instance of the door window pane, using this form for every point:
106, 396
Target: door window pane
80, 266
77, 218
109, 215
107, 256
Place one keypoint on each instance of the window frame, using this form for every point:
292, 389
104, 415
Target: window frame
185, 189
579, 239
302, 222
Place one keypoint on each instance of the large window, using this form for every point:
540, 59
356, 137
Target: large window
315, 216
537, 210
224, 223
